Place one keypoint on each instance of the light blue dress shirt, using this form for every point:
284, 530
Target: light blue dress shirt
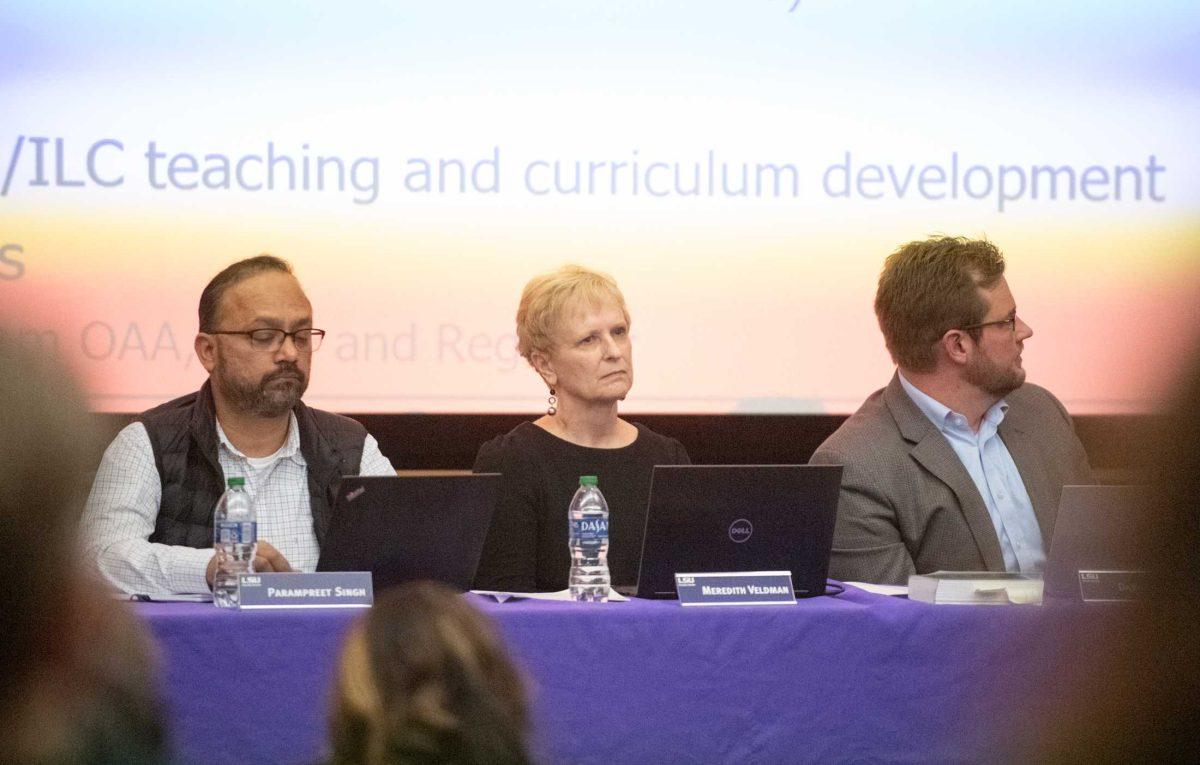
991, 467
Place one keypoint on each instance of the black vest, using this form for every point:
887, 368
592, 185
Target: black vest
183, 434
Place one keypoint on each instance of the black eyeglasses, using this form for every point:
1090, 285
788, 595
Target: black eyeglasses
307, 339
1010, 321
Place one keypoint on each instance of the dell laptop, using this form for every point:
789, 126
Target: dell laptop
729, 518
407, 528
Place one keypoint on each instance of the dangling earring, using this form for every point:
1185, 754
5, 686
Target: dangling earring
552, 409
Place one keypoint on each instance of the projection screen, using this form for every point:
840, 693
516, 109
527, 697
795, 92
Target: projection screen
741, 168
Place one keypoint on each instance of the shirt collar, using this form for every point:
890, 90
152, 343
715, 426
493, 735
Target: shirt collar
290, 448
943, 416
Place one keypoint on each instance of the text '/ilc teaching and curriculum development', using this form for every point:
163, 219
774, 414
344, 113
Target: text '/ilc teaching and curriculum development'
47, 162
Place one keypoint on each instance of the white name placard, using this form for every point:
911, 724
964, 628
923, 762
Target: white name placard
744, 588
324, 589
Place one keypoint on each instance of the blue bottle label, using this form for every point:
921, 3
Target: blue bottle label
589, 533
233, 532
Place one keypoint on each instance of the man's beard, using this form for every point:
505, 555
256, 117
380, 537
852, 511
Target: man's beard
997, 380
267, 398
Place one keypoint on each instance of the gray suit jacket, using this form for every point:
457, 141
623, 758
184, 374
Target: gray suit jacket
909, 506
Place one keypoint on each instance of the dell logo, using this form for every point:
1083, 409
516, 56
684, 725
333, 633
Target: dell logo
740, 530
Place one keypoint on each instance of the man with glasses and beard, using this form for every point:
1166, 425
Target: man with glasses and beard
958, 464
148, 520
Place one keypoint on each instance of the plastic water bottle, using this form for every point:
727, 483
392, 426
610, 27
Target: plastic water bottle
235, 537
588, 532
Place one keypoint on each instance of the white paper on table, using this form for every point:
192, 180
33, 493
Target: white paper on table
181, 597
881, 589
561, 595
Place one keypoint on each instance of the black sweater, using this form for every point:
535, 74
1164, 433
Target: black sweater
526, 547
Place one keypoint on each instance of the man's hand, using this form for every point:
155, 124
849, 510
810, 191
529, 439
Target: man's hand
266, 560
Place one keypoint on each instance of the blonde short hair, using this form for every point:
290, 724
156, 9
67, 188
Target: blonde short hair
547, 298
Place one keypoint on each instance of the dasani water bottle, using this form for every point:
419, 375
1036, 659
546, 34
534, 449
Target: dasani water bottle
235, 537
588, 541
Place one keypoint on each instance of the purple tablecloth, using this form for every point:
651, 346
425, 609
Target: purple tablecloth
850, 678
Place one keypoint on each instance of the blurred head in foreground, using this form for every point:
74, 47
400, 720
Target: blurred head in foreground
1133, 694
73, 665
424, 679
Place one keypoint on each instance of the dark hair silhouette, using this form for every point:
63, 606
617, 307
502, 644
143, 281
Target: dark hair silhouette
75, 680
424, 679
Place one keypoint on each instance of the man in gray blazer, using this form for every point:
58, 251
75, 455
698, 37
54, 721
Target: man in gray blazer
958, 463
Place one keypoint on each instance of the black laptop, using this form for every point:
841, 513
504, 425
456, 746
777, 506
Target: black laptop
727, 518
403, 529
1098, 528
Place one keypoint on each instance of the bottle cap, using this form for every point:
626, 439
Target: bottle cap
588, 480
236, 480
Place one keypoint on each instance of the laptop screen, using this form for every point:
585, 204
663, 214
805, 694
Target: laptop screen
728, 518
411, 528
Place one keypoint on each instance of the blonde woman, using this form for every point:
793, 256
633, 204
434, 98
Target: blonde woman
573, 328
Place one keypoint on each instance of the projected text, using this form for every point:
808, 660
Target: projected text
41, 161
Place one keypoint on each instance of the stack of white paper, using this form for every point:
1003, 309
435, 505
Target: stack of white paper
987, 588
